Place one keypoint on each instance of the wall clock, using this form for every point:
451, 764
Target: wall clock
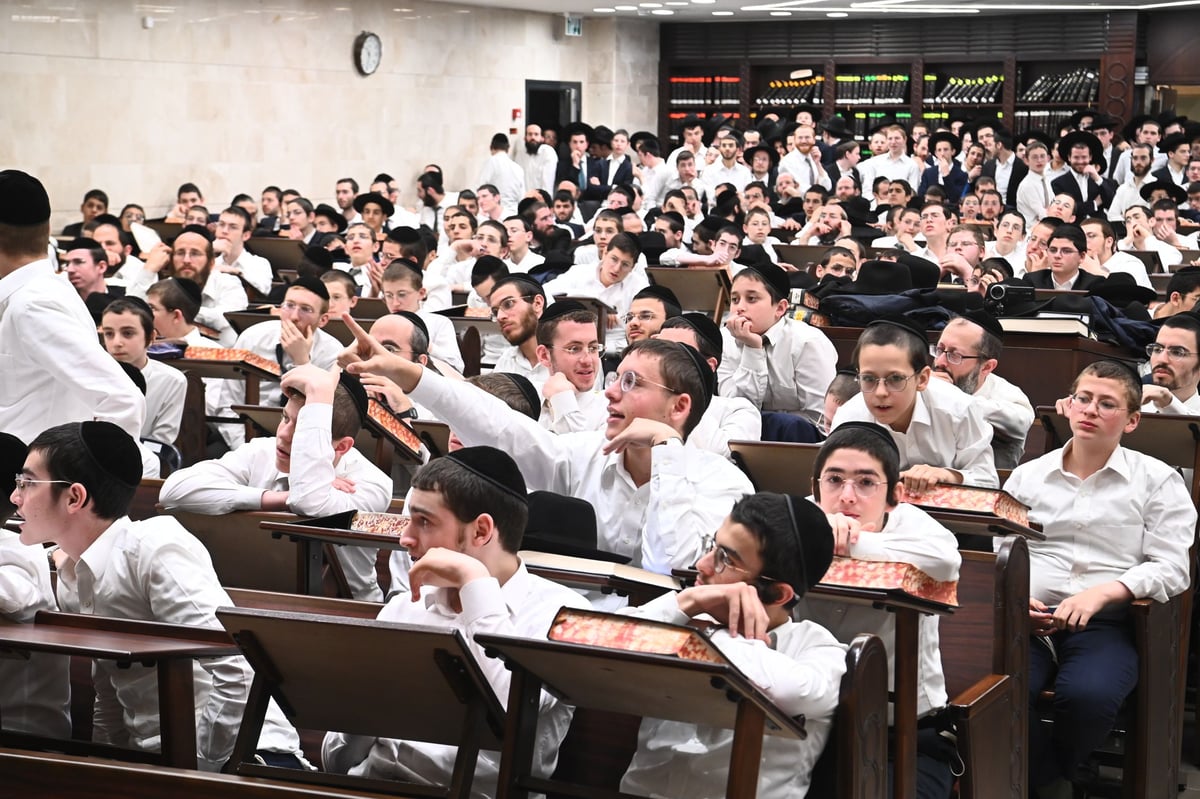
368, 52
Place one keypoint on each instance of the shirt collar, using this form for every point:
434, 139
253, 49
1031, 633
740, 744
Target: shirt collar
98, 555
921, 411
776, 331
1118, 461
22, 276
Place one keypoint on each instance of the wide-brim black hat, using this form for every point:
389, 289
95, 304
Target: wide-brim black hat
1177, 193
772, 153
360, 202
1078, 116
333, 215
946, 136
877, 278
837, 126
1120, 289
563, 525
1082, 137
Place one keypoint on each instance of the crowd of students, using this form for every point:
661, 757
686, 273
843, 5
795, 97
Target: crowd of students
632, 411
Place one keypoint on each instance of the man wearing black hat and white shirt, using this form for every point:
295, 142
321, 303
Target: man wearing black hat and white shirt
295, 339
757, 565
233, 231
466, 576
75, 490
654, 498
568, 347
966, 355
1083, 180
54, 369
1143, 129
310, 467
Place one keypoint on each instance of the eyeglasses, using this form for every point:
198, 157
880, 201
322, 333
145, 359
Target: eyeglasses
1105, 408
509, 304
1173, 353
629, 380
595, 348
721, 557
399, 296
892, 383
22, 482
308, 310
641, 316
1062, 251
953, 357
863, 486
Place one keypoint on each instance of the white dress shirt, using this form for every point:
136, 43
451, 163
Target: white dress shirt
910, 535
574, 411
502, 172
1016, 258
717, 173
701, 159
512, 361
52, 367
654, 184
1122, 171
801, 672
1128, 194
902, 168
524, 606
1166, 253
166, 388
658, 525
804, 168
255, 269
583, 280
35, 693
154, 570
1131, 265
539, 169
222, 292
789, 373
360, 274
1188, 407
262, 339
1131, 521
1033, 196
443, 341
726, 419
237, 482
1006, 408
947, 430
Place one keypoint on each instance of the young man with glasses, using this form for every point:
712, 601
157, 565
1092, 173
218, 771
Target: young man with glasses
517, 303
654, 498
1174, 367
295, 339
403, 289
569, 349
941, 434
651, 307
763, 558
966, 355
1065, 250
856, 480
1118, 525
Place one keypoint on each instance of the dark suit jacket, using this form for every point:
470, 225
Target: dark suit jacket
624, 173
1019, 171
1041, 280
955, 185
1099, 196
595, 168
1163, 175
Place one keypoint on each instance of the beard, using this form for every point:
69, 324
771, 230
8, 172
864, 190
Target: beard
967, 383
532, 147
523, 331
1139, 170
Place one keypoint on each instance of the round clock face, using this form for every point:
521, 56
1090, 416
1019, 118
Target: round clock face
368, 52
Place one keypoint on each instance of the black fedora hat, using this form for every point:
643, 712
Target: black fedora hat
1083, 138
1078, 116
563, 525
878, 277
360, 202
333, 215
772, 153
836, 125
1120, 289
946, 136
1177, 193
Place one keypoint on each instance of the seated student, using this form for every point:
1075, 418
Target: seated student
614, 281
653, 499
469, 511
606, 224
776, 362
843, 386
1174, 367
405, 334
517, 303
127, 327
757, 227
856, 480
941, 433
75, 490
1118, 525
764, 557
341, 288
294, 340
233, 230
651, 306
309, 468
567, 346
85, 266
361, 247
484, 274
35, 692
174, 303
966, 355
403, 289
1066, 250
727, 418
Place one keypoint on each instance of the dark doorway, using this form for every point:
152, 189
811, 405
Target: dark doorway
553, 103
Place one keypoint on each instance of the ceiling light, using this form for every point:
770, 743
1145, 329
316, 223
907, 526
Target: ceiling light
781, 13
650, 5
662, 12
837, 14
677, 3
704, 2
722, 13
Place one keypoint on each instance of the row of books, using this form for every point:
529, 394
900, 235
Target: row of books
793, 92
708, 90
872, 89
1040, 119
1080, 86
973, 91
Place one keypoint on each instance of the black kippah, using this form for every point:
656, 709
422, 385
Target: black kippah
199, 230
528, 391
525, 284
139, 302
416, 320
814, 540
663, 295
319, 256
708, 378
705, 328
774, 277
23, 199
494, 466
870, 427
191, 288
312, 284
113, 451
358, 394
905, 323
561, 308
1129, 367
985, 320
405, 235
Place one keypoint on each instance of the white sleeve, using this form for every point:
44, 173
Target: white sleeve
170, 413
806, 682
1012, 415
918, 539
231, 297
216, 487
1168, 530
310, 479
973, 457
743, 371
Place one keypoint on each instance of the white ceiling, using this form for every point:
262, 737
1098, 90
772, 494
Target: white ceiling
716, 10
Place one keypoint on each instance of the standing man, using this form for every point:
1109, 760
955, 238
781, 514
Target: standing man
1084, 180
1004, 166
55, 370
503, 173
538, 160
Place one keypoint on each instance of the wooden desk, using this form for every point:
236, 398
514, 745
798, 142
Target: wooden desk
169, 648
311, 537
229, 370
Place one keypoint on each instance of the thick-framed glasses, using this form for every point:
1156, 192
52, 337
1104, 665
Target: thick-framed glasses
575, 350
1173, 353
629, 380
641, 316
508, 304
1105, 408
863, 486
953, 357
22, 482
892, 383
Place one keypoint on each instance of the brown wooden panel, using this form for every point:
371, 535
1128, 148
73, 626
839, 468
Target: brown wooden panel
1171, 47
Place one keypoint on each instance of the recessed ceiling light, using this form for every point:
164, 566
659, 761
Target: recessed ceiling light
781, 13
704, 2
604, 10
662, 12
722, 13
677, 3
837, 14
402, 10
